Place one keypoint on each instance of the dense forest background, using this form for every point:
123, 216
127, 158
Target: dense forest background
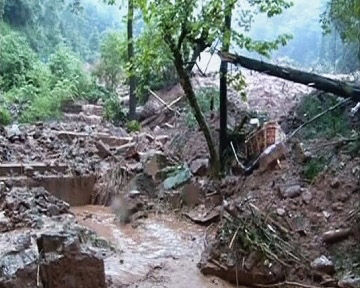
53, 51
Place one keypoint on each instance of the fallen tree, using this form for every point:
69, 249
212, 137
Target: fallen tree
340, 88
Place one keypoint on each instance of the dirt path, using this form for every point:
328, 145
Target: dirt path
161, 252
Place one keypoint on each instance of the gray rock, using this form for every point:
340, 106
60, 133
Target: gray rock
323, 264
280, 211
306, 196
349, 281
291, 192
199, 167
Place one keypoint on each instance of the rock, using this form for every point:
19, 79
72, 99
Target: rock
199, 167
53, 210
157, 130
349, 281
191, 194
174, 198
239, 276
103, 150
203, 217
180, 177
269, 157
291, 192
337, 235
306, 196
14, 133
326, 214
5, 223
143, 183
301, 156
280, 211
155, 163
76, 266
133, 193
335, 183
338, 206
323, 264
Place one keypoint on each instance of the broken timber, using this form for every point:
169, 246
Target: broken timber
340, 88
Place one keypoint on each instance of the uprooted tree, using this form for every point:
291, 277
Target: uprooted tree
188, 28
341, 88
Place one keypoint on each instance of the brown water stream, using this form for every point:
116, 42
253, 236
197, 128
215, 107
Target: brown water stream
161, 252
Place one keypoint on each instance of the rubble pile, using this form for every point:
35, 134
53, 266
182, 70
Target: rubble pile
39, 239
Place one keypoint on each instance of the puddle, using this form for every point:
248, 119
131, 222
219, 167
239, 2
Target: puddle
161, 252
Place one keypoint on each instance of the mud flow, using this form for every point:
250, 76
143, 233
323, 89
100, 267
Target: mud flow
162, 251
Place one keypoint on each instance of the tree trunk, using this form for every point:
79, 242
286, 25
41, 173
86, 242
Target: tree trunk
199, 116
341, 88
223, 88
130, 43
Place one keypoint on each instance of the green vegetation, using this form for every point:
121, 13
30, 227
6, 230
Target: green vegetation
114, 112
39, 88
334, 123
314, 167
133, 126
42, 48
204, 97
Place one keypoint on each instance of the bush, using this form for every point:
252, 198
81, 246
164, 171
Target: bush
113, 111
204, 97
16, 61
333, 123
64, 65
133, 126
112, 60
314, 167
5, 117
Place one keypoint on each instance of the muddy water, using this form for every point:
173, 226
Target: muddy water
161, 252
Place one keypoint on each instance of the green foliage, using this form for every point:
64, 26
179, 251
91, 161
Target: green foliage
16, 61
204, 97
112, 60
331, 124
46, 24
5, 117
343, 16
37, 88
153, 64
114, 111
65, 66
133, 126
314, 167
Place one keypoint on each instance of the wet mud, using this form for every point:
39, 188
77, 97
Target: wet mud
162, 251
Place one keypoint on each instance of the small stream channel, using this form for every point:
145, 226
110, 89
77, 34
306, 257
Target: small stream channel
160, 252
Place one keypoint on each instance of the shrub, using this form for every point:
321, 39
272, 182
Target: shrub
314, 167
133, 126
64, 65
113, 111
16, 61
204, 97
333, 123
5, 117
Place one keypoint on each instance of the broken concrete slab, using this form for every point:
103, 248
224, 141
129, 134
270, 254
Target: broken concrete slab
107, 139
8, 169
75, 190
103, 149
